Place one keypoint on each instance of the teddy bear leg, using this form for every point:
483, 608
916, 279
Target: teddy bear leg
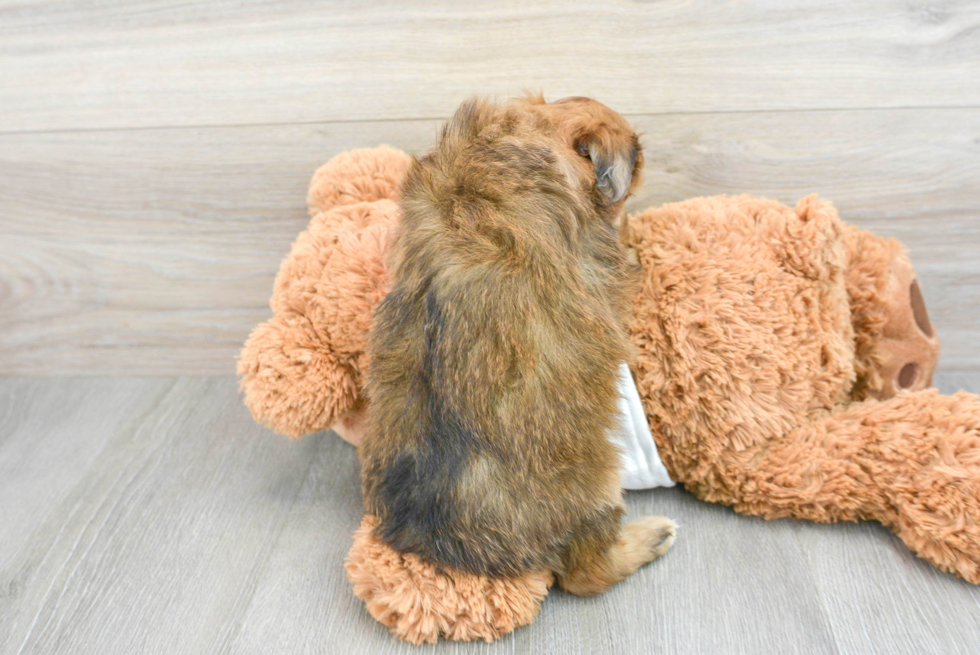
421, 602
911, 462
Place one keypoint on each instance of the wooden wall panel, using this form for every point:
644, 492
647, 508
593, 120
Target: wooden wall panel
146, 63
152, 251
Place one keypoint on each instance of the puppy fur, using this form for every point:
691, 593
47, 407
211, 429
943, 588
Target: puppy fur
494, 356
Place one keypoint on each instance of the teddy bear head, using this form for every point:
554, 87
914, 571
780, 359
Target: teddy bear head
896, 346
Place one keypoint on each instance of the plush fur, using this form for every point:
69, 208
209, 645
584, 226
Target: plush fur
768, 400
420, 603
771, 343
302, 370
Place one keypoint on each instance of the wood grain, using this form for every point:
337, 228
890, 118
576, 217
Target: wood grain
153, 251
148, 64
43, 457
176, 498
169, 522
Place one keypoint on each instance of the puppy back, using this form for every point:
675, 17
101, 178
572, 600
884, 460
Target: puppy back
493, 358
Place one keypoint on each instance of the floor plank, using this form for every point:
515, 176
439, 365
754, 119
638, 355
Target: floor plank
152, 252
158, 546
44, 456
114, 64
863, 575
169, 522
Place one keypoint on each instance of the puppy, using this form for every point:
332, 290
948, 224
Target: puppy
494, 357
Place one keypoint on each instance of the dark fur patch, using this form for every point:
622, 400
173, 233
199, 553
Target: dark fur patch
418, 490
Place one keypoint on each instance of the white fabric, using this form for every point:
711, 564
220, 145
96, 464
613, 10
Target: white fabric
640, 463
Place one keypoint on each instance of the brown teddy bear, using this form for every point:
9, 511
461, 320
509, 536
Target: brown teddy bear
783, 365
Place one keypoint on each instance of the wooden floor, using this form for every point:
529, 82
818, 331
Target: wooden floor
154, 158
151, 515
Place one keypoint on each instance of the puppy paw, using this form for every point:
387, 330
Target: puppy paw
651, 536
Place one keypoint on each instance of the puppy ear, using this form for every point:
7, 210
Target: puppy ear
614, 161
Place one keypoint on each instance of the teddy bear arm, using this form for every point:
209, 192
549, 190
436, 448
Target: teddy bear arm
911, 462
291, 383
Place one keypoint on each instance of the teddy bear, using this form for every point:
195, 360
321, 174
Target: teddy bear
784, 364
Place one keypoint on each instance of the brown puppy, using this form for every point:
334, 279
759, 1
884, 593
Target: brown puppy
494, 357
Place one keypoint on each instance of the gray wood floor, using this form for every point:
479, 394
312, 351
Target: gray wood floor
152, 515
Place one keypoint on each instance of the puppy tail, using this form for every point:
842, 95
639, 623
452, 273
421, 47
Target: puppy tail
466, 124
420, 602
